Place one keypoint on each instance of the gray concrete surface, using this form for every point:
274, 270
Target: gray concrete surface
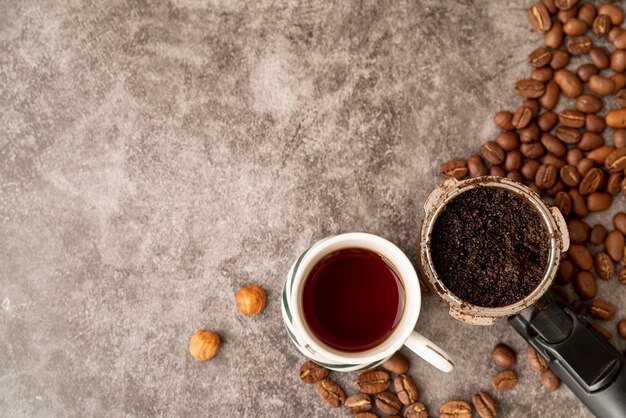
154, 157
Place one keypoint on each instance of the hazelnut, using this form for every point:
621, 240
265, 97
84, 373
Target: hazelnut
250, 300
204, 344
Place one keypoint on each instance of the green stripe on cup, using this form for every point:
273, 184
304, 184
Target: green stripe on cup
285, 304
295, 268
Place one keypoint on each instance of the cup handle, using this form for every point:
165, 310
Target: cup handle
429, 351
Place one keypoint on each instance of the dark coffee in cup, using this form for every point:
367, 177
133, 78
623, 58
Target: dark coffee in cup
353, 299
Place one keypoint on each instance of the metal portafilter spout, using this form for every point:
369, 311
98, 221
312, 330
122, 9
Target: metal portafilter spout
582, 358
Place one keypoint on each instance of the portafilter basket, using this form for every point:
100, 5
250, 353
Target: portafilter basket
463, 310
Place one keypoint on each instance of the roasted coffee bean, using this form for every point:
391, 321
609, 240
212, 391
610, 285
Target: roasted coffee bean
550, 5
585, 71
621, 328
564, 15
553, 145
529, 134
359, 402
539, 18
504, 120
554, 37
366, 415
530, 88
590, 141
579, 205
485, 406
311, 372
497, 170
574, 155
572, 118
588, 103
601, 25
613, 12
373, 381
406, 389
397, 363
454, 168
477, 168
594, 123
605, 333
604, 265
621, 97
536, 362
504, 380
575, 27
618, 60
551, 97
547, 120
619, 222
597, 234
620, 81
388, 403
546, 176
559, 186
585, 285
602, 310
515, 176
580, 256
614, 245
614, 33
563, 203
503, 355
522, 117
416, 410
529, 169
587, 13
565, 273
513, 161
616, 118
597, 202
600, 154
330, 392
550, 381
533, 187
552, 159
508, 141
493, 152
591, 181
580, 307
621, 275
560, 59
543, 74
599, 58
578, 45
455, 409
616, 160
570, 175
568, 135
534, 150
540, 57
565, 4
578, 231
619, 138
569, 83
601, 85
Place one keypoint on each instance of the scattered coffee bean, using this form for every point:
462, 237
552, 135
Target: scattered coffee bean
585, 71
580, 255
601, 25
574, 155
604, 265
530, 88
503, 355
406, 389
590, 141
568, 135
454, 168
614, 184
536, 362
550, 98
621, 328
540, 57
554, 37
621, 97
311, 372
600, 154
493, 152
580, 307
587, 13
602, 310
597, 202
455, 409
366, 415
529, 134
591, 181
614, 245
579, 205
594, 123
565, 4
619, 39
359, 402
616, 160
601, 86
543, 74
598, 234
578, 231
621, 275
588, 103
619, 222
416, 410
546, 176
560, 59
613, 12
570, 175
618, 60
504, 120
605, 333
578, 45
485, 406
513, 160
564, 15
585, 285
397, 363
565, 272
547, 120
572, 118
330, 392
539, 18
619, 138
563, 203
599, 58
373, 381
504, 381
496, 170
388, 403
575, 27
549, 380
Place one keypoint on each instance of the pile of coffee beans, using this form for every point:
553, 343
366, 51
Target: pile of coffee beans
391, 391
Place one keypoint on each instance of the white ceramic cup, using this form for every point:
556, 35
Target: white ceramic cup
403, 334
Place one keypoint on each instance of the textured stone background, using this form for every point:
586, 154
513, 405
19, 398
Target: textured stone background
154, 157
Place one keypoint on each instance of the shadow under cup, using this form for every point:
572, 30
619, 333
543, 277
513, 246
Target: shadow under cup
353, 299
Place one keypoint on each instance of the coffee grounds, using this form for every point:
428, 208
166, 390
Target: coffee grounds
490, 247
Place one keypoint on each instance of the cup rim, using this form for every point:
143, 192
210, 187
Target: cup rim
406, 273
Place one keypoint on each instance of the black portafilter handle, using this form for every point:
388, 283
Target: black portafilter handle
584, 360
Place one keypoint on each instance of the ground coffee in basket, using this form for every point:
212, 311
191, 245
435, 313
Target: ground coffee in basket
490, 247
